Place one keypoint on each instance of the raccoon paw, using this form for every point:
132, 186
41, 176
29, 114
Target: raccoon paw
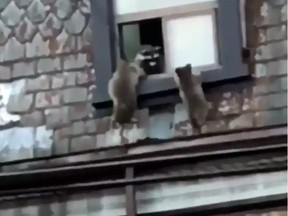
134, 120
115, 124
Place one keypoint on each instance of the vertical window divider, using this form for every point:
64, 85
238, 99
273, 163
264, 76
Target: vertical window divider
131, 206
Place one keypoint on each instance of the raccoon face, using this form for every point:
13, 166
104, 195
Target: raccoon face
150, 59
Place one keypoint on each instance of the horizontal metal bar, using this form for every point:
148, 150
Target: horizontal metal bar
148, 161
162, 148
243, 136
229, 169
64, 178
115, 170
261, 204
150, 142
81, 187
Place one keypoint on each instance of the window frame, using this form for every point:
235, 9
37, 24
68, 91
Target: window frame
106, 47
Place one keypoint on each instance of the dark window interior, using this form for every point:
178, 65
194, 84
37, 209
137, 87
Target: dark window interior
150, 32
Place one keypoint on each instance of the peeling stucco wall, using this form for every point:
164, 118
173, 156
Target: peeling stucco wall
46, 79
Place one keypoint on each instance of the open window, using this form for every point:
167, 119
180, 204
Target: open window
205, 33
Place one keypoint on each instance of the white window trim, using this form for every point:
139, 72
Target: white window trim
243, 21
167, 11
228, 33
194, 9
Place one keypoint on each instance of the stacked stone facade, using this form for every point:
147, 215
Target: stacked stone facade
46, 79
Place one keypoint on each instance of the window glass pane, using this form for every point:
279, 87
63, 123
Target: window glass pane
131, 40
190, 39
133, 6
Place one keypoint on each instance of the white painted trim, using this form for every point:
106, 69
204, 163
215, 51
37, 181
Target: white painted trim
243, 20
149, 14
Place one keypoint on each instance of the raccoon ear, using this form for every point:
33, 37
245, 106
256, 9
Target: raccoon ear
188, 66
177, 70
139, 57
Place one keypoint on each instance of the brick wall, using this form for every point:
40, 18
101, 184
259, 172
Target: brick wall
46, 78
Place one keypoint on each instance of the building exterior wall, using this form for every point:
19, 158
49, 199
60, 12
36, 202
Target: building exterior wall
46, 78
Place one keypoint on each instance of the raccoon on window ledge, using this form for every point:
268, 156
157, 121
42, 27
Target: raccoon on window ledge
153, 62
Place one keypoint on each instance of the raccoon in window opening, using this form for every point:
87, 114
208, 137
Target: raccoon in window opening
152, 59
192, 95
122, 90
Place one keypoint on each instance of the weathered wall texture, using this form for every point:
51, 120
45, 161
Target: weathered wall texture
46, 78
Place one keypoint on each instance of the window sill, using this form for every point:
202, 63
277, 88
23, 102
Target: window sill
161, 89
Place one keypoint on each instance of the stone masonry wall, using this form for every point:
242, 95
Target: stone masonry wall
46, 77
